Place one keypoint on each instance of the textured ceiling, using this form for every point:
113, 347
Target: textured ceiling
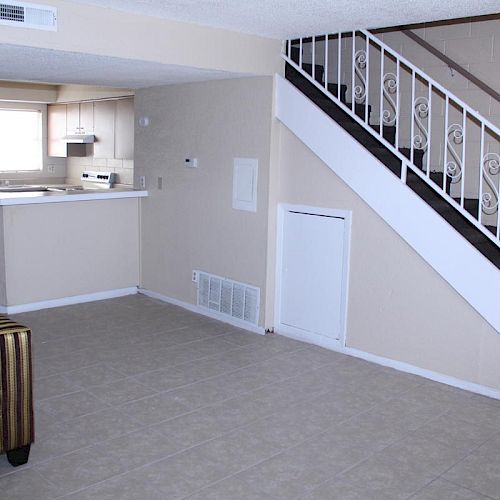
286, 18
49, 66
272, 18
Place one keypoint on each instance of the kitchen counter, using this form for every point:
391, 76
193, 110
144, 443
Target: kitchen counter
35, 197
60, 247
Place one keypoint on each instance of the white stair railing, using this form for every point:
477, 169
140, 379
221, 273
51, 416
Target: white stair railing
437, 136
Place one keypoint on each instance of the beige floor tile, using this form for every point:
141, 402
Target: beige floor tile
71, 435
145, 400
76, 404
154, 409
443, 490
385, 477
26, 484
457, 433
126, 487
121, 391
99, 374
477, 472
56, 385
342, 490
230, 489
491, 448
423, 453
99, 462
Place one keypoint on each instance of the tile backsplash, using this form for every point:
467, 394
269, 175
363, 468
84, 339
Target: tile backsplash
124, 169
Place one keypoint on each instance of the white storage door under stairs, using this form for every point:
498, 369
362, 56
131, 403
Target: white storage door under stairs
312, 267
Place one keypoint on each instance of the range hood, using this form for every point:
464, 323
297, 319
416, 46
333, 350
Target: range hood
79, 138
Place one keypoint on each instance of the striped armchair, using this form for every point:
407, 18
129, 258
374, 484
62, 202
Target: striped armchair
16, 399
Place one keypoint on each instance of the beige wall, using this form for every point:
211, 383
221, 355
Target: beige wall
56, 250
190, 223
40, 93
95, 30
475, 45
398, 307
27, 92
77, 93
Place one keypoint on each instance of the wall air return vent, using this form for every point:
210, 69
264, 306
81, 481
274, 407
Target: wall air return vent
228, 297
28, 15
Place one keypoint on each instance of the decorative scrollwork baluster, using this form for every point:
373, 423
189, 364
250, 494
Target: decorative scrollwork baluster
490, 167
359, 69
421, 138
453, 167
390, 87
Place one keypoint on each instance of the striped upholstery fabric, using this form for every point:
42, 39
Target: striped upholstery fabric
16, 401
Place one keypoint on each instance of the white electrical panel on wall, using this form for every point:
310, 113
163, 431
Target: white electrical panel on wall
245, 172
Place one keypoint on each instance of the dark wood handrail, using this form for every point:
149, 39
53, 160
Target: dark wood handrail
452, 64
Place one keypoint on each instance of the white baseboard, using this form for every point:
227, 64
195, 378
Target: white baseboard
66, 301
205, 312
303, 336
400, 366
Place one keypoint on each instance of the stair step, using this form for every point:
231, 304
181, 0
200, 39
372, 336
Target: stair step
416, 182
360, 110
360, 134
476, 237
413, 181
418, 156
471, 205
388, 132
489, 250
319, 71
295, 54
334, 89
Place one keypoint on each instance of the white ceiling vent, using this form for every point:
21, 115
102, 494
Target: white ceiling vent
228, 297
28, 15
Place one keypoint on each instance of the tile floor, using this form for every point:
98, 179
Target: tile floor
136, 399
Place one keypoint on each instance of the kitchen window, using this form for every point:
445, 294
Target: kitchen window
21, 146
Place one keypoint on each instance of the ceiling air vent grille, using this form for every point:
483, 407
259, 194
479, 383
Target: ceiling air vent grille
26, 15
229, 298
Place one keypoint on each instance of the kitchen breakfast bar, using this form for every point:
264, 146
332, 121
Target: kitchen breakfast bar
59, 247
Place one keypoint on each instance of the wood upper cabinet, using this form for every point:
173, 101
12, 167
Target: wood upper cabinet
72, 118
112, 123
87, 117
56, 130
80, 118
124, 129
104, 129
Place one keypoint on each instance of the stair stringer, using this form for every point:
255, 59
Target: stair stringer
472, 275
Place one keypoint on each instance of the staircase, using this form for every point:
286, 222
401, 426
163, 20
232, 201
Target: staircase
439, 147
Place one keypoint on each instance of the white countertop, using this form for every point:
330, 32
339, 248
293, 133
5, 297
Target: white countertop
34, 197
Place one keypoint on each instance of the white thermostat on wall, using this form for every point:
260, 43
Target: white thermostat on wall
191, 162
